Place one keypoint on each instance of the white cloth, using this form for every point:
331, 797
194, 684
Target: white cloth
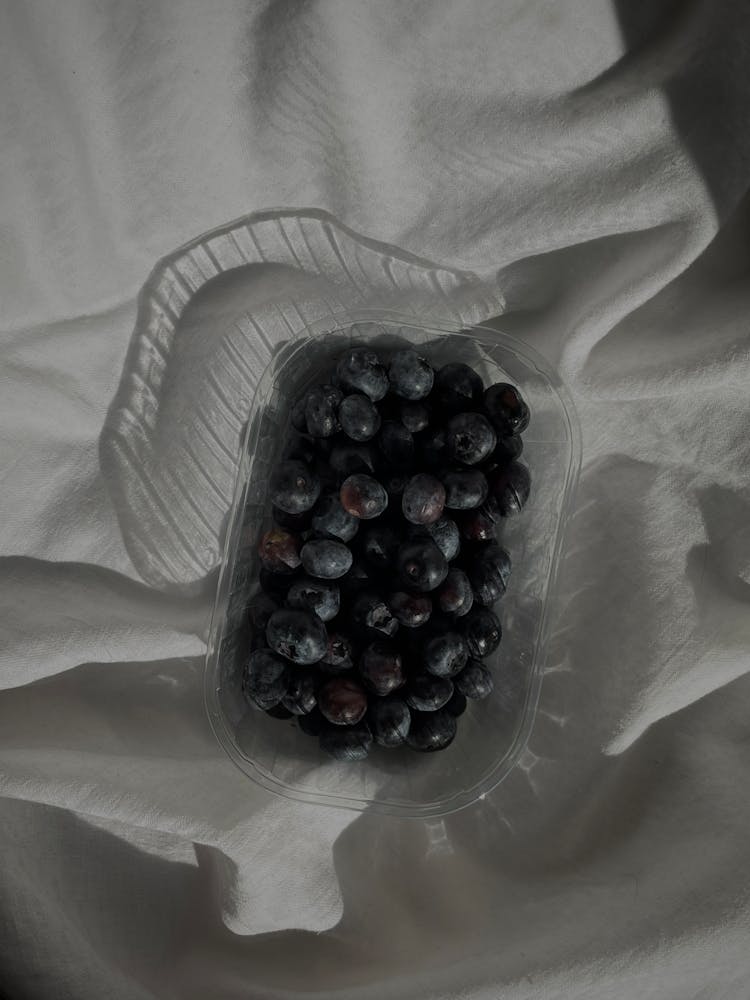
577, 171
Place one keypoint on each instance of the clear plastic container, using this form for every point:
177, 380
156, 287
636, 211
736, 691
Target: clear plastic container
492, 733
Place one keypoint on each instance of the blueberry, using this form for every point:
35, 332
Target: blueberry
509, 489
299, 421
474, 681
275, 584
457, 387
291, 522
321, 597
347, 744
396, 445
432, 448
427, 693
507, 450
265, 678
464, 488
347, 459
293, 487
313, 723
342, 701
380, 543
410, 376
444, 653
326, 558
421, 565
298, 635
414, 415
423, 499
389, 719
360, 370
300, 697
370, 610
363, 496
489, 571
301, 448
455, 596
338, 656
457, 705
411, 610
477, 525
380, 667
260, 609
395, 481
482, 631
279, 551
320, 412
359, 577
470, 438
359, 418
279, 712
330, 518
444, 534
506, 408
431, 731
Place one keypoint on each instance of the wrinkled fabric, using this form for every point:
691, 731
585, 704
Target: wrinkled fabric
575, 174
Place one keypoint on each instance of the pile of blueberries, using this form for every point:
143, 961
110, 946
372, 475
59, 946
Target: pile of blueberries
379, 574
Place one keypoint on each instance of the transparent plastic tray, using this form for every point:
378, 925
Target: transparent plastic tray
492, 733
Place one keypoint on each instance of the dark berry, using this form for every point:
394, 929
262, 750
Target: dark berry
457, 705
489, 571
291, 522
506, 408
414, 415
389, 720
380, 543
298, 635
421, 565
330, 518
411, 377
395, 481
474, 681
321, 597
507, 450
396, 445
320, 412
370, 611
348, 744
457, 387
509, 488
431, 731
279, 712
482, 631
359, 418
326, 558
444, 534
411, 610
454, 596
300, 448
300, 697
347, 459
477, 525
360, 370
470, 438
342, 701
279, 550
293, 487
359, 577
444, 653
380, 667
265, 678
363, 496
432, 445
338, 655
423, 499
299, 421
427, 693
464, 488
313, 723
260, 609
